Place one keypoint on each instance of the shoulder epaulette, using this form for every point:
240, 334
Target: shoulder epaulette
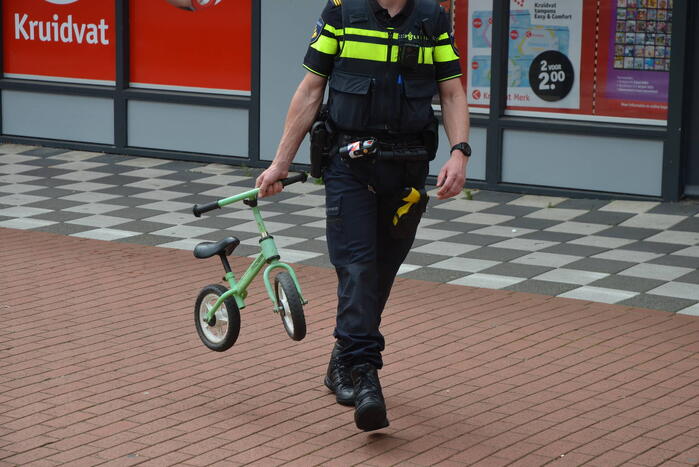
335, 2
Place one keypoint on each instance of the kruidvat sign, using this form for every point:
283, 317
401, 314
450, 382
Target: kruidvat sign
59, 40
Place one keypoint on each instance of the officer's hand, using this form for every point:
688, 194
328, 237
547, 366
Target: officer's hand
268, 182
452, 177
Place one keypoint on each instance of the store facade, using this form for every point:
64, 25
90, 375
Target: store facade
567, 97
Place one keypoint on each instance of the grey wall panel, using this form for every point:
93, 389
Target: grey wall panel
286, 31
631, 166
192, 128
476, 165
54, 116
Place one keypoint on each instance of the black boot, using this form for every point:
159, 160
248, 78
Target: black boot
338, 379
370, 408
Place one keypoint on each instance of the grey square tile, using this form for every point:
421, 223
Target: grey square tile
146, 239
100, 221
123, 190
129, 201
475, 239
600, 265
538, 258
458, 226
657, 302
217, 222
573, 249
549, 236
57, 182
677, 260
582, 203
632, 233
683, 208
633, 284
180, 166
54, 204
688, 225
196, 199
53, 192
134, 212
423, 259
110, 159
510, 210
541, 287
516, 270
433, 274
494, 254
655, 271
529, 223
653, 247
691, 278
143, 227
677, 290
61, 216
116, 179
495, 196
44, 152
41, 162
63, 229
46, 172
301, 232
434, 212
321, 261
319, 246
486, 281
604, 217
196, 188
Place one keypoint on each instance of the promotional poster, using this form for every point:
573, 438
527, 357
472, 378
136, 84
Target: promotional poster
191, 45
59, 40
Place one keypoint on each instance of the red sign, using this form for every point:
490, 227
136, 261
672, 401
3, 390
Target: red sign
200, 45
69, 40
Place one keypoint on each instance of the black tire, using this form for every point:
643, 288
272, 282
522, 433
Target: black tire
291, 310
223, 334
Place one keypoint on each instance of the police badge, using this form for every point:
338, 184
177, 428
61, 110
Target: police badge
317, 30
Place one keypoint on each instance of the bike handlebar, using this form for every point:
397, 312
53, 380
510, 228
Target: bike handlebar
198, 210
302, 177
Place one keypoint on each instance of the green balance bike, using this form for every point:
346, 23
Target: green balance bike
217, 309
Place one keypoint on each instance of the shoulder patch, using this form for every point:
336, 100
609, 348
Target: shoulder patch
317, 30
334, 3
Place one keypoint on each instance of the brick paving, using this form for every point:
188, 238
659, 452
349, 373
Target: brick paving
100, 364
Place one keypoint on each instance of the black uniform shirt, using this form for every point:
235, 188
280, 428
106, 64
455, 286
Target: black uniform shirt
320, 56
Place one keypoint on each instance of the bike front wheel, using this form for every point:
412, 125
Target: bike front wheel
290, 306
222, 331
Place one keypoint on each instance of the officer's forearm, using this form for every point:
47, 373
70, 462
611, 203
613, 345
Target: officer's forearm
454, 111
302, 112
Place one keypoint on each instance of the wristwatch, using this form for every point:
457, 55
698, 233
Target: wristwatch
463, 147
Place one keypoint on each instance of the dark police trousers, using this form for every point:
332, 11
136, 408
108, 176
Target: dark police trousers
365, 256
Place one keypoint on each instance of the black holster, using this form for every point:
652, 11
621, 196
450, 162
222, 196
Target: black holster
321, 136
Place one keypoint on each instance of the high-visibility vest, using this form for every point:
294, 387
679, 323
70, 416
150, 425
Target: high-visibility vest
370, 89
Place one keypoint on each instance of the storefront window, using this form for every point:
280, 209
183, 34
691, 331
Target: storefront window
191, 45
574, 59
59, 41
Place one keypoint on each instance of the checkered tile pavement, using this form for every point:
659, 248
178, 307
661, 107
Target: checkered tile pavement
636, 253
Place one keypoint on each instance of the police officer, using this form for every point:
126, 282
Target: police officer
384, 61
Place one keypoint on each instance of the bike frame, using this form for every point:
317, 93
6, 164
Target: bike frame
268, 255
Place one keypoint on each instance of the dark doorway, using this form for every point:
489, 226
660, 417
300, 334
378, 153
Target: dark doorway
692, 128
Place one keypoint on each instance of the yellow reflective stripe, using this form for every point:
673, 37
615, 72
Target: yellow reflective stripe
325, 45
332, 30
451, 77
427, 55
314, 72
444, 53
366, 32
443, 36
364, 51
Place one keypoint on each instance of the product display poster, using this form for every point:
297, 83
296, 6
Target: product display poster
635, 58
544, 50
191, 45
59, 40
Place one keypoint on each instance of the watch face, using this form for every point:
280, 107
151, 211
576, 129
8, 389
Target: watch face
463, 147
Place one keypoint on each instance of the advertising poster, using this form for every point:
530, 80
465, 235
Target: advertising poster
191, 45
544, 53
59, 40
635, 59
